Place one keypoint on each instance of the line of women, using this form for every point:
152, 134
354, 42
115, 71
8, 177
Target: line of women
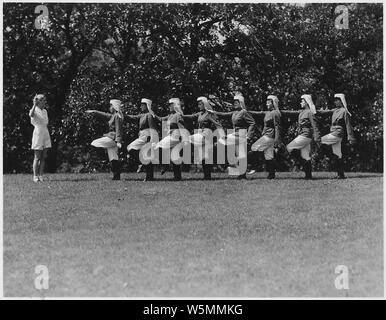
242, 136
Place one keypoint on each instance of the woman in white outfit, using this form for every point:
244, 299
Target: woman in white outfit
41, 140
147, 135
300, 147
244, 128
203, 139
176, 134
111, 141
340, 128
271, 135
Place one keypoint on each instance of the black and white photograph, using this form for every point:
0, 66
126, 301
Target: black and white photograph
197, 150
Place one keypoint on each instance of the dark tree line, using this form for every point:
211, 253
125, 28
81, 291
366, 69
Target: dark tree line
94, 52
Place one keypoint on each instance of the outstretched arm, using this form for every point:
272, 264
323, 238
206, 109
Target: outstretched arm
257, 113
132, 117
100, 113
160, 118
190, 116
290, 113
221, 114
325, 112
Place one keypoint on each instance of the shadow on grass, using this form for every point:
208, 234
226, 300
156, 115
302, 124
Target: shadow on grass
380, 175
163, 179
348, 177
72, 180
222, 178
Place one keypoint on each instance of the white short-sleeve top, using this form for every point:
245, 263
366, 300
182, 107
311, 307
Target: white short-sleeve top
40, 117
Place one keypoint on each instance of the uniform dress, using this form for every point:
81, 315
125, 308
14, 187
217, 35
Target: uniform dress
175, 127
41, 137
203, 139
243, 124
307, 128
109, 140
176, 131
147, 130
141, 146
244, 128
340, 120
271, 132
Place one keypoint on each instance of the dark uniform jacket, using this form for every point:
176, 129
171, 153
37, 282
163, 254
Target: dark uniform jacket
115, 126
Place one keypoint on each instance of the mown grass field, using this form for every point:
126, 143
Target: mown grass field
224, 238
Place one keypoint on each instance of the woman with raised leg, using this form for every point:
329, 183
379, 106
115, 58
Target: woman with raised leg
176, 134
244, 129
340, 128
111, 141
203, 139
147, 135
271, 135
300, 147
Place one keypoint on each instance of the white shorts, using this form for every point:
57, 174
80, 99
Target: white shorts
335, 142
237, 146
141, 141
109, 144
303, 144
197, 139
41, 138
170, 141
203, 145
234, 138
265, 144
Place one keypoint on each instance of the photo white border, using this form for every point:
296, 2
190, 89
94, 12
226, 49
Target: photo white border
182, 298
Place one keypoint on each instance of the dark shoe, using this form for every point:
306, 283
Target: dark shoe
326, 150
295, 155
271, 176
253, 159
149, 172
242, 176
221, 168
163, 170
307, 168
270, 168
340, 168
177, 172
116, 169
207, 168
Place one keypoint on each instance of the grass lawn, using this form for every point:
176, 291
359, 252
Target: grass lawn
223, 238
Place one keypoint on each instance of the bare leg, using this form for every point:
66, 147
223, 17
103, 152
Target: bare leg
42, 162
36, 163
